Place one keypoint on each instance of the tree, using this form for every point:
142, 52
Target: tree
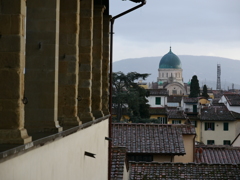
128, 95
194, 87
205, 92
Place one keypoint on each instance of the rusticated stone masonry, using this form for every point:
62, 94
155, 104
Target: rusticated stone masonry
42, 47
97, 61
105, 64
12, 62
85, 61
68, 63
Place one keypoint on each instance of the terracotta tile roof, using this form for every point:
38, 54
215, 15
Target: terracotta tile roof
233, 99
214, 113
193, 117
154, 170
217, 93
158, 92
118, 160
235, 115
148, 138
176, 99
213, 154
158, 111
190, 100
176, 114
185, 129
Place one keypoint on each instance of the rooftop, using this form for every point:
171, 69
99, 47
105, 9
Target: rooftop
214, 154
177, 99
154, 170
158, 92
233, 99
149, 138
118, 160
176, 114
216, 113
190, 100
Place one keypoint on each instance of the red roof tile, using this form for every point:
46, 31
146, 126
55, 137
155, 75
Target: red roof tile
217, 154
216, 113
118, 161
176, 114
190, 100
148, 138
176, 99
233, 99
158, 92
154, 170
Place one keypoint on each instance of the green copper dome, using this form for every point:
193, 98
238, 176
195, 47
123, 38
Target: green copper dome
170, 61
160, 83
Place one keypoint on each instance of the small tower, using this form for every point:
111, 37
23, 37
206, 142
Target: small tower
218, 77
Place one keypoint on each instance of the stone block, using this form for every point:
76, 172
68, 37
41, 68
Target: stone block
10, 43
12, 7
68, 49
70, 6
10, 84
85, 58
11, 119
50, 4
43, 37
69, 23
72, 39
10, 60
46, 25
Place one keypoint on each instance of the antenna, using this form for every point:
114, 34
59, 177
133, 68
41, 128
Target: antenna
218, 77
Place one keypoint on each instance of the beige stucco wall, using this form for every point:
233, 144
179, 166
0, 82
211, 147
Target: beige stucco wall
218, 135
64, 158
236, 142
198, 132
162, 158
188, 145
125, 172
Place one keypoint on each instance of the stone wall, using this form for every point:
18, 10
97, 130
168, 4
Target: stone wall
54, 57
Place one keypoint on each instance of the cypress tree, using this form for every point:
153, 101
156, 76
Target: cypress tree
205, 92
194, 87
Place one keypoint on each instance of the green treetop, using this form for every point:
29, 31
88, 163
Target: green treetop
205, 92
194, 87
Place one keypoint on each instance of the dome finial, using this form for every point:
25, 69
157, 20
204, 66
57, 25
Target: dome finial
170, 49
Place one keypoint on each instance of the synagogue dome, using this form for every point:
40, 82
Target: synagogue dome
170, 61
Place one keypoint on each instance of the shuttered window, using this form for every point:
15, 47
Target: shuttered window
158, 101
225, 126
209, 126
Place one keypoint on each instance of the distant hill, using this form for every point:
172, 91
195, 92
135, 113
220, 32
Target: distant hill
205, 67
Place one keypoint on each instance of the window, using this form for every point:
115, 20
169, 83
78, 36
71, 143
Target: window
158, 100
226, 142
225, 126
162, 120
174, 91
166, 74
162, 74
209, 126
176, 121
210, 142
146, 158
194, 123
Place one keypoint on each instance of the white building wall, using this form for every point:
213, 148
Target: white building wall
151, 101
64, 158
218, 135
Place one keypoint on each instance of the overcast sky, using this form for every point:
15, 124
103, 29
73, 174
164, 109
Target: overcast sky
191, 27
